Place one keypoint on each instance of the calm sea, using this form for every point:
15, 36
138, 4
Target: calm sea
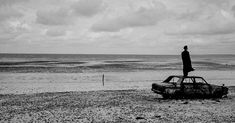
36, 73
72, 63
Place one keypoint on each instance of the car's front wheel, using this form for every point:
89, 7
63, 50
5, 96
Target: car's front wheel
165, 96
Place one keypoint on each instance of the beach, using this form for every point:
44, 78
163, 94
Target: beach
69, 88
114, 106
28, 83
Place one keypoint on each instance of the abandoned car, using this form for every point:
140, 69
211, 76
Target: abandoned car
188, 87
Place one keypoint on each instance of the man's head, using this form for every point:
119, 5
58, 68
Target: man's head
185, 47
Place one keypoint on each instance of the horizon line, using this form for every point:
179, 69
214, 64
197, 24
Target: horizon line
105, 54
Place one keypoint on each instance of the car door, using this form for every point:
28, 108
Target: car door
187, 87
201, 88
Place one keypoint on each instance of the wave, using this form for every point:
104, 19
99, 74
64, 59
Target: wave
124, 61
25, 62
101, 66
38, 62
207, 63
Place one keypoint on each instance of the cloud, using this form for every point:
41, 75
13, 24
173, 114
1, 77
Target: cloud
116, 26
233, 10
220, 23
68, 12
8, 12
55, 32
53, 17
10, 2
142, 17
87, 8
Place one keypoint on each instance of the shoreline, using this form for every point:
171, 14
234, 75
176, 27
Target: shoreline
231, 90
23, 83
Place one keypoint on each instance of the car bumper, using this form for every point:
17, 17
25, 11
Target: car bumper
157, 91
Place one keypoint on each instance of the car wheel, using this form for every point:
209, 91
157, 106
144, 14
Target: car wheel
165, 96
218, 95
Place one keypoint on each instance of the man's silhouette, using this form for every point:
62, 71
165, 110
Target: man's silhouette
187, 66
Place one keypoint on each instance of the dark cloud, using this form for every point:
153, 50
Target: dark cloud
142, 17
53, 17
87, 8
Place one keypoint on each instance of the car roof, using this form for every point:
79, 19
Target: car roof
180, 76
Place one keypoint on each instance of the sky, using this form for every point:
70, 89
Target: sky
117, 26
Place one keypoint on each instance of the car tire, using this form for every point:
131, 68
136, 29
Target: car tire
165, 96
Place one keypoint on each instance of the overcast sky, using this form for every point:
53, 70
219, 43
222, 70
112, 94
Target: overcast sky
117, 26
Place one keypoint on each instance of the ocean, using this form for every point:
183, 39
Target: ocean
74, 63
36, 73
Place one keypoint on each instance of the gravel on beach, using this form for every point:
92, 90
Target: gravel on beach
113, 106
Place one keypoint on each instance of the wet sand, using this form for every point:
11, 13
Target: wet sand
113, 106
28, 83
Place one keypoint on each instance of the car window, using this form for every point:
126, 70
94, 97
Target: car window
200, 80
174, 79
188, 80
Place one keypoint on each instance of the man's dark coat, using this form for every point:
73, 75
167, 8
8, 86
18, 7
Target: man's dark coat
187, 66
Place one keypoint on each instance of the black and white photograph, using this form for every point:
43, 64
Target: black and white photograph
117, 61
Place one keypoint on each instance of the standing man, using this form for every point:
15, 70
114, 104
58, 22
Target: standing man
187, 66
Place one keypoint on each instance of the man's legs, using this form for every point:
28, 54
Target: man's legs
185, 72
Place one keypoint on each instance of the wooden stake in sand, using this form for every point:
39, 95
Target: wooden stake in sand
103, 79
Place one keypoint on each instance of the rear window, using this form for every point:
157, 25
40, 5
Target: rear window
200, 80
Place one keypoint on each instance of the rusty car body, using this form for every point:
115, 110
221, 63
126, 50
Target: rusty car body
188, 87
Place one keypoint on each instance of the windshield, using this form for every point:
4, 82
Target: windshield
173, 79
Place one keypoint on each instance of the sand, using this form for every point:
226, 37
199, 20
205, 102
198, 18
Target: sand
113, 106
28, 83
125, 97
